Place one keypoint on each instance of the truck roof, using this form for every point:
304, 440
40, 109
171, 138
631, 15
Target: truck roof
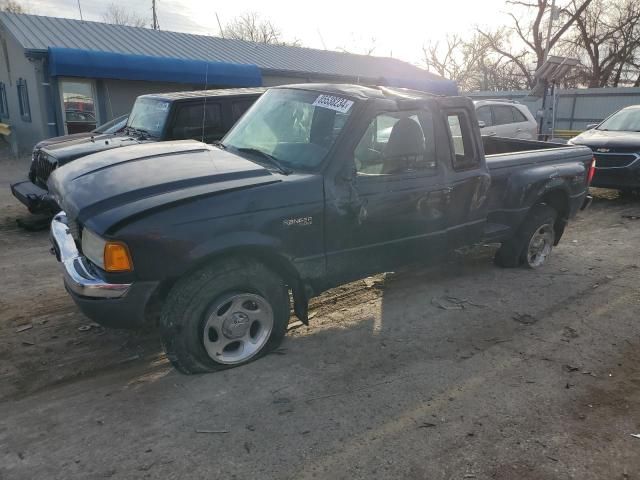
196, 94
363, 91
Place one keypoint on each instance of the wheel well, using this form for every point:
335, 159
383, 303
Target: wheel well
266, 256
559, 201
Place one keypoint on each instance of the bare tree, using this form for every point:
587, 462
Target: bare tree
473, 63
607, 39
12, 6
119, 15
251, 27
529, 30
366, 47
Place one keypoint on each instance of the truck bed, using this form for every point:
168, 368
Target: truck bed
506, 158
509, 152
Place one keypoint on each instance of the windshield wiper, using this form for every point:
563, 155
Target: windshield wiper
219, 144
273, 160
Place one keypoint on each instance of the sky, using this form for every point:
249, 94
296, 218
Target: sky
399, 28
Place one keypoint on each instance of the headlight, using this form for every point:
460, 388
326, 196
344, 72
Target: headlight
109, 255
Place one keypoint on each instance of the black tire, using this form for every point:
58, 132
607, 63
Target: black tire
186, 309
513, 252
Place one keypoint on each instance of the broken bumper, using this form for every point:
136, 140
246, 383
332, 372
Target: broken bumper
36, 199
116, 305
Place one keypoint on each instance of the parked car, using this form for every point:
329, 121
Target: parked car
203, 115
616, 146
506, 118
302, 195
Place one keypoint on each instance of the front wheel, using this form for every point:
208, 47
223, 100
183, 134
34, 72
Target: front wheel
532, 244
224, 315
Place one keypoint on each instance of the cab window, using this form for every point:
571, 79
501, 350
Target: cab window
503, 115
396, 143
461, 141
484, 115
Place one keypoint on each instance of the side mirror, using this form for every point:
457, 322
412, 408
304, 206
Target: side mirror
591, 126
481, 124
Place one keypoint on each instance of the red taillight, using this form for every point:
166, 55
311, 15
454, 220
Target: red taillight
592, 171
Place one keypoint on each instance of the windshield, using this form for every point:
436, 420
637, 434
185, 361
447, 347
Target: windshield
295, 127
149, 116
627, 120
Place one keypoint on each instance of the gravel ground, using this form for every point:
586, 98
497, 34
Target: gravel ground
458, 371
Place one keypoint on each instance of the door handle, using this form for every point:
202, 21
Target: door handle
491, 134
518, 130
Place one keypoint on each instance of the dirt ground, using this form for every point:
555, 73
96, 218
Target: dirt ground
460, 371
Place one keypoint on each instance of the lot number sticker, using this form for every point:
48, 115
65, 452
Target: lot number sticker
338, 104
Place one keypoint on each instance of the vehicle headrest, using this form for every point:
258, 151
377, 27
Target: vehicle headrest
406, 138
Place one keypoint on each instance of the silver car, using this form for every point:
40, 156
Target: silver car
506, 118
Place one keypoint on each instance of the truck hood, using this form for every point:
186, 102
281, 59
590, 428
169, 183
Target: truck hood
144, 178
72, 148
608, 139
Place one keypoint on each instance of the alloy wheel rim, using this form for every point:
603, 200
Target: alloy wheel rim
237, 327
540, 245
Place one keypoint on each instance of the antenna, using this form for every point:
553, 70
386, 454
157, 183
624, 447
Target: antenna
204, 106
219, 25
155, 25
80, 9
321, 39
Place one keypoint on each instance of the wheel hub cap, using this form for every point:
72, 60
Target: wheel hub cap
236, 325
540, 245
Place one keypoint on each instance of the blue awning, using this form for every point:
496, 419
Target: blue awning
123, 66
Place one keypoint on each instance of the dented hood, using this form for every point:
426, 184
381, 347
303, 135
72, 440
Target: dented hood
131, 180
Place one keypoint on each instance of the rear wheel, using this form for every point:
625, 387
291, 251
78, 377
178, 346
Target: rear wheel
224, 315
532, 244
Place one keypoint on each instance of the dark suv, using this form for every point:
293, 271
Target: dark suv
200, 115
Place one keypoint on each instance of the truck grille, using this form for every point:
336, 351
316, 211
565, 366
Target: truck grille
43, 166
615, 160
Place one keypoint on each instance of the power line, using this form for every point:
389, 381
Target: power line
80, 9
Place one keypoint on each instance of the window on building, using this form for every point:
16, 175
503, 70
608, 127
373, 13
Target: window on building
23, 100
4, 105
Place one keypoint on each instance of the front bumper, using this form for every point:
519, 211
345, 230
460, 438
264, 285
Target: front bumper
116, 305
36, 199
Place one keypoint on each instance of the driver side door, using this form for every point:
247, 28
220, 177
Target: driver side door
396, 212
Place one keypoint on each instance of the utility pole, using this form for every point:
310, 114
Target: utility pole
156, 25
551, 19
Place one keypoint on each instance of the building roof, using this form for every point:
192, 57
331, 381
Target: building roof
196, 94
37, 33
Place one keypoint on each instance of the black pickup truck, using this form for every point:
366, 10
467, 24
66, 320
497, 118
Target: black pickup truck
201, 115
315, 186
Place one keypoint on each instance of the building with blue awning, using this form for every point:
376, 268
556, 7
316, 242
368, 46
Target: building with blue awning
56, 72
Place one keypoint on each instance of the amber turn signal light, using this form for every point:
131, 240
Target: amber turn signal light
117, 258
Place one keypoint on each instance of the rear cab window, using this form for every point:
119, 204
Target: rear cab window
462, 146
